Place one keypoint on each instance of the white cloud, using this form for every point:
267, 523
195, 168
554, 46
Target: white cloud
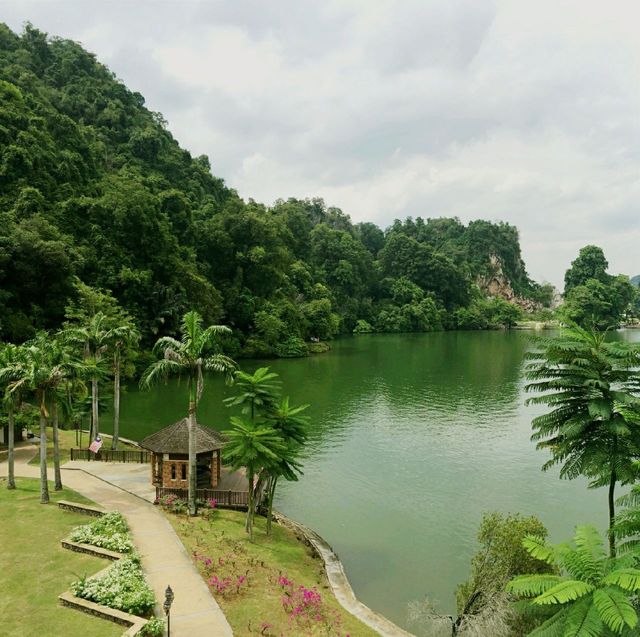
501, 109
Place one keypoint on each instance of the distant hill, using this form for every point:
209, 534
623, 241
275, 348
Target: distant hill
635, 280
94, 186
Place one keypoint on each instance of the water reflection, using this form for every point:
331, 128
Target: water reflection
414, 436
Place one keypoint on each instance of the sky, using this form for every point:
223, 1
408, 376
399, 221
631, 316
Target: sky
520, 111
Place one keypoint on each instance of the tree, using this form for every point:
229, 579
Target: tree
254, 445
124, 337
500, 558
292, 426
197, 351
589, 264
95, 337
258, 392
41, 372
599, 304
10, 360
593, 428
592, 597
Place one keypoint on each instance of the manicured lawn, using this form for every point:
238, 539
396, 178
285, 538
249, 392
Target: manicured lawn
256, 604
36, 569
67, 439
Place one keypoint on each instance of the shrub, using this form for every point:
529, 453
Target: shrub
173, 503
293, 347
109, 531
362, 327
154, 628
122, 587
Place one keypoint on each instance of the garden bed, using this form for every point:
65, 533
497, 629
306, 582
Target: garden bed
273, 586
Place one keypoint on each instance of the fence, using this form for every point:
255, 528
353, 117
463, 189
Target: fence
238, 500
109, 455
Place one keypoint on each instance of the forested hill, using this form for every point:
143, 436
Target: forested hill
94, 187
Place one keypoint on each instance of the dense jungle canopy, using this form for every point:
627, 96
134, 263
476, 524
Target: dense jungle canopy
94, 187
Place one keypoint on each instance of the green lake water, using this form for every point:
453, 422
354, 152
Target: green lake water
414, 436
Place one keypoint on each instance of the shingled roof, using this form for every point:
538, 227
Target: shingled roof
175, 439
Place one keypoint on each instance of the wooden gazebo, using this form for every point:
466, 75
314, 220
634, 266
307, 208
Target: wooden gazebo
169, 449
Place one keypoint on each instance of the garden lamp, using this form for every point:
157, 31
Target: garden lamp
168, 600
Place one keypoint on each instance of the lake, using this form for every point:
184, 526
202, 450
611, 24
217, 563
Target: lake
413, 438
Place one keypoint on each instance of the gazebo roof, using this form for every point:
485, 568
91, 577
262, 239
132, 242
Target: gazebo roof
175, 439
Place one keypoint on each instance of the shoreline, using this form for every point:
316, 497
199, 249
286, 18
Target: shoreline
339, 581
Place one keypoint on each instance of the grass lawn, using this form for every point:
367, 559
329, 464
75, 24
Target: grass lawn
36, 569
255, 607
67, 439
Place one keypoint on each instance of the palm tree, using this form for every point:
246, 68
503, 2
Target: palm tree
10, 360
254, 445
593, 428
40, 373
123, 337
290, 423
192, 355
592, 597
92, 337
258, 391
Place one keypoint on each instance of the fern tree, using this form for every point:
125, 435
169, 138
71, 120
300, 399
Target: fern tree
592, 428
593, 596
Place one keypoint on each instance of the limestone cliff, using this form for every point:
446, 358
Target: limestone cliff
497, 284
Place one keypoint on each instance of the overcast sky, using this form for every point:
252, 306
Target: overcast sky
523, 111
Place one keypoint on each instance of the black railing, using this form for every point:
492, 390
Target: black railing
110, 455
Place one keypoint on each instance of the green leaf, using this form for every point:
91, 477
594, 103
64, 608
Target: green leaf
553, 627
583, 620
532, 585
537, 548
600, 408
627, 578
615, 609
566, 591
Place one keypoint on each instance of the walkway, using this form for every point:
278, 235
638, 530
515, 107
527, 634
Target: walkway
195, 612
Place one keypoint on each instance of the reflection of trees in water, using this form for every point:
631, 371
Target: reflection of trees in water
446, 371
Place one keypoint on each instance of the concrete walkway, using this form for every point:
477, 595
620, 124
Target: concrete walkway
195, 612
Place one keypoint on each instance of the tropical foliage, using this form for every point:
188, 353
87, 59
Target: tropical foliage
594, 298
95, 187
593, 426
197, 351
267, 440
593, 596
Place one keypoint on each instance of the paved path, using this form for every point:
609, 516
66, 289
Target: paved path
195, 612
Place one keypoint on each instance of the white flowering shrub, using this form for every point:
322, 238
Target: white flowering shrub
109, 531
122, 587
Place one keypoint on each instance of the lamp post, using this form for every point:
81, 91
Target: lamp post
168, 600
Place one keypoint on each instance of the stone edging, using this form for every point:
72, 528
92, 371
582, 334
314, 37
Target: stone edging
96, 551
338, 580
77, 507
134, 623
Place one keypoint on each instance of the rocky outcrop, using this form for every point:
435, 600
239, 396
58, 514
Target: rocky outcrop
497, 284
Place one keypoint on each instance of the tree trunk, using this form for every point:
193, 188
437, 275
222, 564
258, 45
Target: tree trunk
116, 403
251, 506
612, 514
11, 481
270, 494
95, 426
193, 479
56, 446
44, 486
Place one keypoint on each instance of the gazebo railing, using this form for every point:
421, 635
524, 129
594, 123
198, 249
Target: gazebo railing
110, 455
238, 500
